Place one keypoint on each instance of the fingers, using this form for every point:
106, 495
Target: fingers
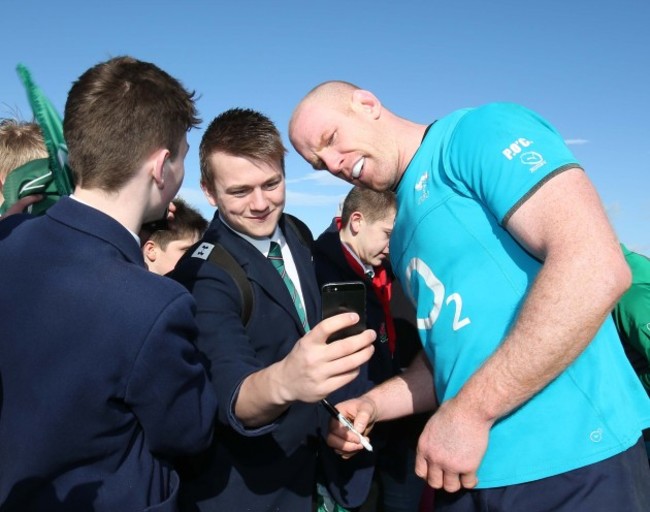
469, 480
447, 480
352, 353
20, 205
344, 442
451, 482
344, 356
335, 323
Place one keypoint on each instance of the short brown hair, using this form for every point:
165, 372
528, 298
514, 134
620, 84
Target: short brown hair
240, 132
118, 113
187, 222
373, 205
20, 142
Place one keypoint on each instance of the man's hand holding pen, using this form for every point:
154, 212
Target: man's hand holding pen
361, 413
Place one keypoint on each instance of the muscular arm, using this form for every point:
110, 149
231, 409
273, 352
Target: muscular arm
582, 277
405, 394
408, 393
564, 225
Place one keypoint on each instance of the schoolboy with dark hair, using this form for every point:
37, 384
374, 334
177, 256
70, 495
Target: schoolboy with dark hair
102, 385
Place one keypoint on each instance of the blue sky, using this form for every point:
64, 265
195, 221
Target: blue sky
583, 65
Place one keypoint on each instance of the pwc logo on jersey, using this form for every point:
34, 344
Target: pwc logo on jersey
516, 149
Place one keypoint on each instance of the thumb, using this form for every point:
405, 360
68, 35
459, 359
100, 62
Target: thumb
366, 415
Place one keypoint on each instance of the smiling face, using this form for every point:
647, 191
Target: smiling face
249, 194
348, 141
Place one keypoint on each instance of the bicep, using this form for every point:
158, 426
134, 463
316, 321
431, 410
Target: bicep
565, 214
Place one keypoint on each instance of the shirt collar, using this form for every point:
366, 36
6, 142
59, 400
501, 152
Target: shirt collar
134, 235
368, 270
261, 244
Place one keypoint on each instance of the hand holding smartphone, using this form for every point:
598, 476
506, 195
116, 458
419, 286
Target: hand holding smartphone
344, 297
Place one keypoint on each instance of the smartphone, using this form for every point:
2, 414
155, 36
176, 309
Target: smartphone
342, 297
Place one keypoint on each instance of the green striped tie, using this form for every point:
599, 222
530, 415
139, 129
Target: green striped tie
275, 255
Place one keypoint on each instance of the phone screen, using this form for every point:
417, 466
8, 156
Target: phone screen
344, 297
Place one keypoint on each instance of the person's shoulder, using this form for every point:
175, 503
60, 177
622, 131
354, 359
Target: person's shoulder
502, 110
298, 228
137, 277
10, 222
209, 259
328, 236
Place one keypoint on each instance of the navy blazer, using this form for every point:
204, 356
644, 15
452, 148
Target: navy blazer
272, 467
101, 384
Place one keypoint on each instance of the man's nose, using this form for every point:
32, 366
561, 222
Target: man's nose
333, 161
258, 200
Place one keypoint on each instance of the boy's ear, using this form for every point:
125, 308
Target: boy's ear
150, 251
159, 166
356, 218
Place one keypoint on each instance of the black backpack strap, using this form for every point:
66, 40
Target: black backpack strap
301, 229
218, 255
222, 258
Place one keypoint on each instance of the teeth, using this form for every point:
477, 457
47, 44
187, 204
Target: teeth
356, 170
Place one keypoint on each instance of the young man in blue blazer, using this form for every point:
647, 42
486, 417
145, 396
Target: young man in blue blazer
102, 385
271, 370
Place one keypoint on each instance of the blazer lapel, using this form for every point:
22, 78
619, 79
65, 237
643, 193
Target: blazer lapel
258, 269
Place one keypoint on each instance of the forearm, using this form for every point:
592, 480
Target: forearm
260, 400
405, 394
562, 313
311, 371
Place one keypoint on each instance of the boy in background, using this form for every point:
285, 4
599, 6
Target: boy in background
20, 142
162, 248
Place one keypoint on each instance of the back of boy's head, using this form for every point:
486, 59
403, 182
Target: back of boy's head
117, 114
187, 222
372, 204
20, 142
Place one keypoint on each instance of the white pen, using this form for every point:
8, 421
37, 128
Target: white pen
336, 414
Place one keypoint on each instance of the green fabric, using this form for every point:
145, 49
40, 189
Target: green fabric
34, 177
275, 256
632, 314
52, 176
52, 127
328, 505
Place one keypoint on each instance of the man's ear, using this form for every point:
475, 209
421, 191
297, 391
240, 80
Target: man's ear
211, 196
366, 102
150, 251
159, 166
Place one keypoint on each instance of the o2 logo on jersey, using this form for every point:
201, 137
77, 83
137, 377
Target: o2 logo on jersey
438, 289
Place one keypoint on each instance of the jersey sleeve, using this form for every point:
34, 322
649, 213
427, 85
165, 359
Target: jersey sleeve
502, 153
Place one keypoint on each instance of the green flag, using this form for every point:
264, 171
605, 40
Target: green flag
54, 179
52, 127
